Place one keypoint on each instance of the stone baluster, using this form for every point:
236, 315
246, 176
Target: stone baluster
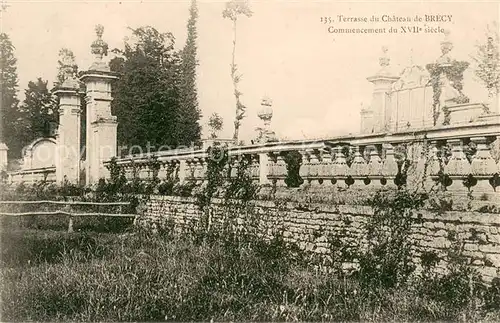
340, 168
358, 167
314, 165
305, 168
183, 171
190, 169
171, 168
280, 170
234, 168
264, 169
254, 167
194, 165
375, 164
271, 166
483, 163
389, 165
144, 171
434, 161
458, 167
204, 167
164, 166
201, 164
325, 169
483, 167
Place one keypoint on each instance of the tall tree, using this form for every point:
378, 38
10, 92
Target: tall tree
487, 61
235, 8
189, 113
146, 100
9, 113
39, 112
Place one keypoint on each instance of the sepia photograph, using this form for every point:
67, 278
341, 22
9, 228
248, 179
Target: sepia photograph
249, 160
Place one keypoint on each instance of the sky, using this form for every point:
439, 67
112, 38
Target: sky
316, 79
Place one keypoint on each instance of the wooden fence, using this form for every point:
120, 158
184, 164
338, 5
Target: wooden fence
67, 210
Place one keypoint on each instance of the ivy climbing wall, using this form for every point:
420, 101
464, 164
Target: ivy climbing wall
325, 228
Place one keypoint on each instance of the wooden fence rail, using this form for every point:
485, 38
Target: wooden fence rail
66, 203
68, 213
67, 210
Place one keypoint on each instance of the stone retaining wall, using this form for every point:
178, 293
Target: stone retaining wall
309, 225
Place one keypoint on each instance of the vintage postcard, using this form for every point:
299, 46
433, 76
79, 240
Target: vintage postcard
249, 160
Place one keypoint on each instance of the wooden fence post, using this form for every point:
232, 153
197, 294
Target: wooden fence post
70, 224
67, 208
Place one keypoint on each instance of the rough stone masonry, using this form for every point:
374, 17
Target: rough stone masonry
308, 225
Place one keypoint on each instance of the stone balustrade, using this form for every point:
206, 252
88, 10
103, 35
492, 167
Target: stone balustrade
458, 158
30, 176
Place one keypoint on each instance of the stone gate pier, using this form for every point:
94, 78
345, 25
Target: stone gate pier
62, 163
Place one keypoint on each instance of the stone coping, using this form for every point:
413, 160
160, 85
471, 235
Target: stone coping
484, 128
33, 170
472, 216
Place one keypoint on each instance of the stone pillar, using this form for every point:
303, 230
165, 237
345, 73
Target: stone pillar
263, 169
68, 133
68, 136
101, 125
281, 170
382, 84
3, 156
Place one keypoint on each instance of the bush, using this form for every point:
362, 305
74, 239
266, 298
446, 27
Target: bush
388, 260
293, 160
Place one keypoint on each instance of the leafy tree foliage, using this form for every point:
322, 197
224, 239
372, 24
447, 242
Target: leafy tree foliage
9, 113
147, 95
39, 112
487, 61
189, 112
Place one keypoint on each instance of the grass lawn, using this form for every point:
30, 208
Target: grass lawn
50, 275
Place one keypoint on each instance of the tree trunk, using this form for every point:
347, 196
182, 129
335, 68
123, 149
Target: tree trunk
233, 76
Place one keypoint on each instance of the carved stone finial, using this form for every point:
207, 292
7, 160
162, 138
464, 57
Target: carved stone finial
266, 101
265, 114
68, 69
99, 47
384, 60
99, 30
446, 44
490, 47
